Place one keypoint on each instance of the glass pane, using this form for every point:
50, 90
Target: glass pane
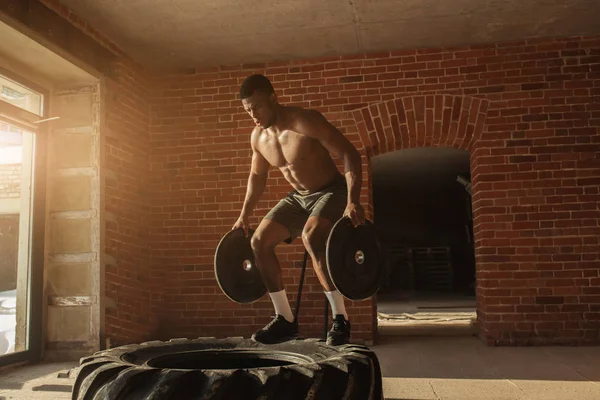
16, 155
19, 96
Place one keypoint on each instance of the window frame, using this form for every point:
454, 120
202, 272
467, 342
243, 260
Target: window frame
29, 121
34, 87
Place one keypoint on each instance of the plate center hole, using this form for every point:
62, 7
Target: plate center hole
359, 257
247, 265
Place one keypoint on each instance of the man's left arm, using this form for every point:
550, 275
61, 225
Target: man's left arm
315, 125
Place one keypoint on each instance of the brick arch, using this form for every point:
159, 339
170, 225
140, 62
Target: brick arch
438, 120
435, 120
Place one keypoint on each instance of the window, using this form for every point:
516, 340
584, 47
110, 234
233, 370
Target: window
20, 96
22, 177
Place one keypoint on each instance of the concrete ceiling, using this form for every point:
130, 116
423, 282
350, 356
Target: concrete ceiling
166, 34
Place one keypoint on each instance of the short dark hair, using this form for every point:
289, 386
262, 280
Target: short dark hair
254, 83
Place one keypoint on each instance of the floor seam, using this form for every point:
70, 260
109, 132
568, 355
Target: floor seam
557, 359
433, 390
525, 397
582, 375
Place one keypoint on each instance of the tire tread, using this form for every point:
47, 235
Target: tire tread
349, 372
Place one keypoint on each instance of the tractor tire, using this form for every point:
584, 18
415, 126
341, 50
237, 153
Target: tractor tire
230, 368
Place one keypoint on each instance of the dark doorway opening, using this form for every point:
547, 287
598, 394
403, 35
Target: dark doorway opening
423, 214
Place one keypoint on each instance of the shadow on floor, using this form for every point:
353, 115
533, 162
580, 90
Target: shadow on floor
40, 381
469, 358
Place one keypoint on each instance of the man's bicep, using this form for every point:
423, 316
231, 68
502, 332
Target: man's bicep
260, 166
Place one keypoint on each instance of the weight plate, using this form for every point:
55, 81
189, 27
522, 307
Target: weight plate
235, 269
354, 259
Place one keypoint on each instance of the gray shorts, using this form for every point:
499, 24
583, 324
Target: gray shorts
294, 210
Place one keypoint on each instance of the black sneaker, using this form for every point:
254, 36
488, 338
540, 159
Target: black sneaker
340, 331
277, 331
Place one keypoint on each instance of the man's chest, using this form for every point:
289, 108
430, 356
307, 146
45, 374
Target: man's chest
286, 148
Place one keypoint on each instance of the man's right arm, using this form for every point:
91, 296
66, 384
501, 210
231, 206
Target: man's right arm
257, 180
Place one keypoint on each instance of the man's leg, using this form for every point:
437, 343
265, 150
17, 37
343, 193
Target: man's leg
326, 211
268, 235
282, 223
314, 236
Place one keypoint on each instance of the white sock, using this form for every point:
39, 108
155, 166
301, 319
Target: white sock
336, 300
282, 305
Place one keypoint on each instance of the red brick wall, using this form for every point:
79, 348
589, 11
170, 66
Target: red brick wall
528, 112
534, 143
536, 187
130, 316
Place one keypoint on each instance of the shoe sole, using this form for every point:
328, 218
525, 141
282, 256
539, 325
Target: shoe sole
337, 344
334, 341
282, 340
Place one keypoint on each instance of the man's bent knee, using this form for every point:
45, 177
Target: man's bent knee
314, 238
266, 238
260, 244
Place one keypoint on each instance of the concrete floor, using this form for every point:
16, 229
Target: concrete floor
415, 368
36, 382
463, 368
426, 314
412, 301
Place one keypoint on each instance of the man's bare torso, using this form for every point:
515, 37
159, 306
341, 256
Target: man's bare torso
304, 162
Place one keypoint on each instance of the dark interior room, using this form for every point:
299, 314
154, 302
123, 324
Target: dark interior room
423, 216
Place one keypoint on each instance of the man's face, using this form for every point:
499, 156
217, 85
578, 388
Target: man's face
260, 108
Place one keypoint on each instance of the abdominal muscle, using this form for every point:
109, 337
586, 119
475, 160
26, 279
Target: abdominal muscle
309, 178
304, 163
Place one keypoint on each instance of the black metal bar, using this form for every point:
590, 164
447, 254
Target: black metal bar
297, 309
326, 324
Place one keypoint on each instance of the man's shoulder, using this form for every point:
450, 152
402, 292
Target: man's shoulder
304, 118
257, 130
304, 113
255, 135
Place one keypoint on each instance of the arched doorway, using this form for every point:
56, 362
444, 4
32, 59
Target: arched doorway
422, 211
425, 121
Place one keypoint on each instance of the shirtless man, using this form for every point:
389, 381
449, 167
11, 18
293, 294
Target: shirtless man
298, 142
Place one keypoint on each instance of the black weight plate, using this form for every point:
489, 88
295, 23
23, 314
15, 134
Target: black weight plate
240, 284
354, 279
